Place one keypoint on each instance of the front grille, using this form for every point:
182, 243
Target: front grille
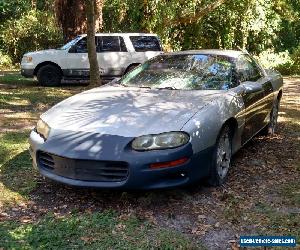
86, 170
46, 161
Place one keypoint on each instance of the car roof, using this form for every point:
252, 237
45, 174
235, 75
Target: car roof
229, 53
123, 34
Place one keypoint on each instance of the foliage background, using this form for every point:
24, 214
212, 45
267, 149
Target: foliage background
270, 30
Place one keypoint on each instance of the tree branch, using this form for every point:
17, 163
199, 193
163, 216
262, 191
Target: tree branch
198, 15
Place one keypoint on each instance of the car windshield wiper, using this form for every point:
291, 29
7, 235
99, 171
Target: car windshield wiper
144, 87
171, 88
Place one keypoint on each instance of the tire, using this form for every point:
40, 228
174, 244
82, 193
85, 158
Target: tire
221, 158
270, 129
49, 75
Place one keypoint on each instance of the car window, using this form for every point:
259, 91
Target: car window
103, 44
190, 72
81, 46
145, 43
247, 69
110, 44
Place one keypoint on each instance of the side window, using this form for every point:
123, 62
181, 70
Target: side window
110, 44
81, 46
103, 44
247, 69
145, 43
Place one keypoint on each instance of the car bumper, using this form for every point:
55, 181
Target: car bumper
70, 156
28, 73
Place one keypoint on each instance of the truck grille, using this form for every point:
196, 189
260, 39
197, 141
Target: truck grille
85, 170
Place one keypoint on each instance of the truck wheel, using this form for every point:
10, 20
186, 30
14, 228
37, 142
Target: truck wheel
49, 75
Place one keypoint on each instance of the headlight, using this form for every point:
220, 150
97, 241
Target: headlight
160, 141
27, 59
43, 128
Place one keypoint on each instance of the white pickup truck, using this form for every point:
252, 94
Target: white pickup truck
117, 54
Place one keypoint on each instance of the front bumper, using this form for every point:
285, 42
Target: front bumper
78, 147
28, 73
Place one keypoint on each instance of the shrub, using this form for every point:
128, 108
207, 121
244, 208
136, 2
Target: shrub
13, 9
5, 62
270, 60
284, 62
295, 68
35, 30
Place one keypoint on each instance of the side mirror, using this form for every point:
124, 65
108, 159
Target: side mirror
250, 87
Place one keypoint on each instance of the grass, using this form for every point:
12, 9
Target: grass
276, 222
12, 78
291, 193
16, 173
104, 230
21, 103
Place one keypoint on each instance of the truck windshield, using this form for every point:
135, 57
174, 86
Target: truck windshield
71, 43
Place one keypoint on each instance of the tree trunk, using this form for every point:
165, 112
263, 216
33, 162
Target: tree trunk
91, 45
70, 15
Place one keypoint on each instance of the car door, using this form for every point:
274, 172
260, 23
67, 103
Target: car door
268, 98
256, 92
76, 62
112, 55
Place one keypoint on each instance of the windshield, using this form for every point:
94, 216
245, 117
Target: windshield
70, 44
199, 72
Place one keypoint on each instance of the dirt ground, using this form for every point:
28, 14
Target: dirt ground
260, 197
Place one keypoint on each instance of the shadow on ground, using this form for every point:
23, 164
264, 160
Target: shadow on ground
13, 79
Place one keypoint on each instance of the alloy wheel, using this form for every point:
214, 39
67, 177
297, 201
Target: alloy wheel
273, 119
223, 155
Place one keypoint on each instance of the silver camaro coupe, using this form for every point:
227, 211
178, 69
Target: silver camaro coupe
175, 120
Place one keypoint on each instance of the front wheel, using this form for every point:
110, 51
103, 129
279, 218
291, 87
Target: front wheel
49, 75
270, 129
221, 158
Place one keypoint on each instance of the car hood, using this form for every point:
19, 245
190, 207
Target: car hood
129, 112
44, 52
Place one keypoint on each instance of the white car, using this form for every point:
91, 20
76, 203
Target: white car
117, 54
